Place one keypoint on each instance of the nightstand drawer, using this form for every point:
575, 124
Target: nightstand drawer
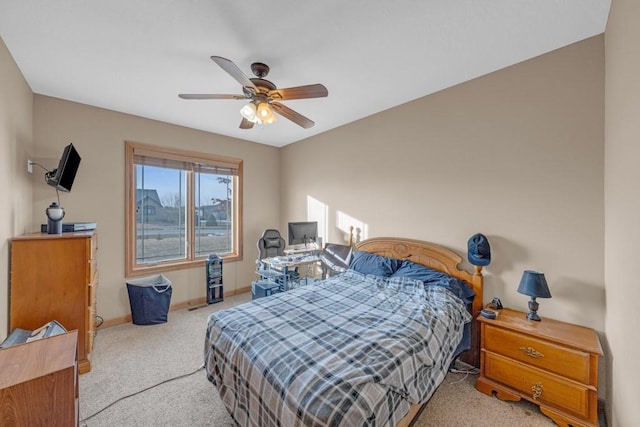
569, 363
538, 385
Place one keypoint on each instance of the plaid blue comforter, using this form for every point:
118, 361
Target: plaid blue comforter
352, 350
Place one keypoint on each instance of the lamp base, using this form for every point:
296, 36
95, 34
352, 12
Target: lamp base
532, 315
533, 310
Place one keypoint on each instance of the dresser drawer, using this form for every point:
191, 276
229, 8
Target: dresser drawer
569, 363
554, 391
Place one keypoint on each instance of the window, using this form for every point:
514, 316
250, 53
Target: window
180, 207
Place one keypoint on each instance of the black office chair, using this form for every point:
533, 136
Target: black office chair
271, 244
334, 259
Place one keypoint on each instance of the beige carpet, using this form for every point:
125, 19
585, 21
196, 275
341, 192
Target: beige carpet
130, 358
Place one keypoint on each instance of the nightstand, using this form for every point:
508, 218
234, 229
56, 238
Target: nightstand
550, 363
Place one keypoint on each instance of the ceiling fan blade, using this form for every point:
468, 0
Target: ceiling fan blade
246, 124
209, 96
294, 116
233, 71
299, 92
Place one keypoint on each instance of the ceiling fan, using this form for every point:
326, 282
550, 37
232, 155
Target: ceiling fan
263, 95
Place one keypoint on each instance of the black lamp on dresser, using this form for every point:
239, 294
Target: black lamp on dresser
534, 284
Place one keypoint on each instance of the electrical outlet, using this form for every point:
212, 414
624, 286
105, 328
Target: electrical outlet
29, 166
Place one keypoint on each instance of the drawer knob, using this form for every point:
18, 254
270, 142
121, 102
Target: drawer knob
537, 390
531, 352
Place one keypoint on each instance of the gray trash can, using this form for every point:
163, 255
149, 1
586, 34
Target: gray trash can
149, 298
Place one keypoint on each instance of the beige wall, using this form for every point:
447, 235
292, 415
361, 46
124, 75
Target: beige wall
16, 142
516, 155
98, 191
622, 204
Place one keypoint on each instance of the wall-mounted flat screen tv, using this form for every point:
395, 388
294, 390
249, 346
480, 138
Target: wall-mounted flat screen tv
63, 176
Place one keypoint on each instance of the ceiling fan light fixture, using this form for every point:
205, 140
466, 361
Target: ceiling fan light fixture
261, 93
264, 113
249, 112
271, 119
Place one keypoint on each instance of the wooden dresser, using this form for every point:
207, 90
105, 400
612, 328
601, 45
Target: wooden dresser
54, 277
550, 363
39, 383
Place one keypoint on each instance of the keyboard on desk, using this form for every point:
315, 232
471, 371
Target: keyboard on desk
295, 250
292, 259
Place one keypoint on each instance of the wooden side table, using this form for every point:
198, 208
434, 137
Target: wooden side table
39, 382
550, 363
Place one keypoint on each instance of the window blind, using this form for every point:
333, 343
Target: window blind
212, 165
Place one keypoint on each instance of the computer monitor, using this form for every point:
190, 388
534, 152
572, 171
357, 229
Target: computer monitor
303, 232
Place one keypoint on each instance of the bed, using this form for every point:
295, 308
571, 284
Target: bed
364, 348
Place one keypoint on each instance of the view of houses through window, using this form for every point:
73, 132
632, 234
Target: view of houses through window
161, 214
184, 210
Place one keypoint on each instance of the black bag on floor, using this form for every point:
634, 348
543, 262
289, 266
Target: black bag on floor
149, 298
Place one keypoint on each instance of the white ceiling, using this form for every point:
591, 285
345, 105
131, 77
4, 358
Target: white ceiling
135, 56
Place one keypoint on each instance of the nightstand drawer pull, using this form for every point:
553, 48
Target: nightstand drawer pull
537, 390
531, 352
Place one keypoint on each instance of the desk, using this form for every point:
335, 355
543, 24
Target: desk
282, 269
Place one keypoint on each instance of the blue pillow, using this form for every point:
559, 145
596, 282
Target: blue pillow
432, 277
368, 263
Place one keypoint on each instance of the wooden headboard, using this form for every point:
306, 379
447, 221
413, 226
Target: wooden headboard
441, 259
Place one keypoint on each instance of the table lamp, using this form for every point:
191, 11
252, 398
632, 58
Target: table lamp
534, 284
55, 213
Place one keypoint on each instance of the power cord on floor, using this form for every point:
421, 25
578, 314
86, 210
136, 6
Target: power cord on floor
83, 421
466, 370
472, 371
